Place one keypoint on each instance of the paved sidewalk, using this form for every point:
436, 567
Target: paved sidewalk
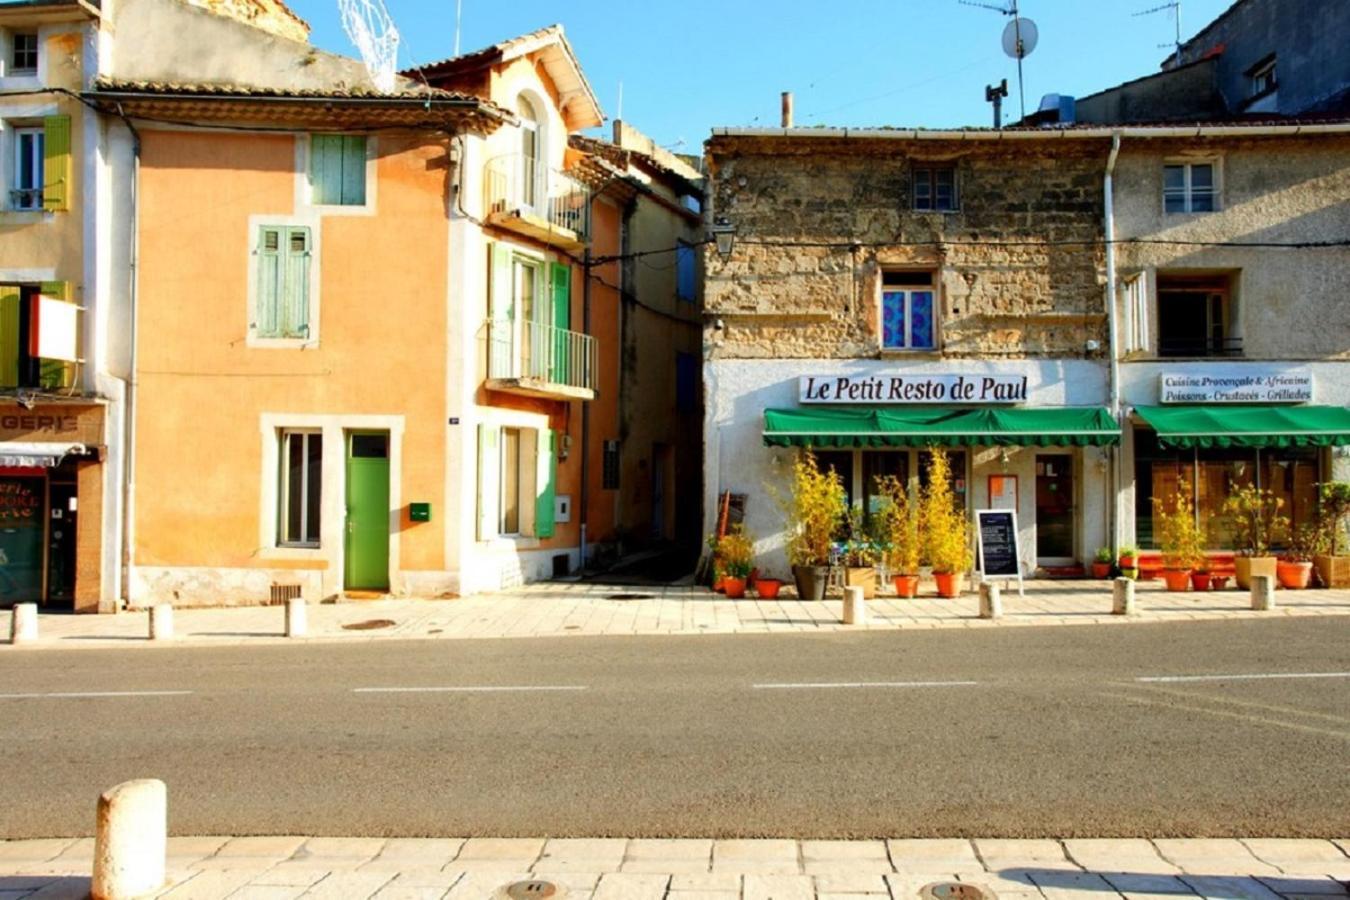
273, 868
560, 609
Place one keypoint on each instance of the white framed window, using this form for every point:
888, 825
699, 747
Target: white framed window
300, 491
29, 153
935, 188
908, 310
23, 53
1191, 186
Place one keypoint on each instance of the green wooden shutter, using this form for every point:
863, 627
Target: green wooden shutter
56, 166
55, 374
325, 169
487, 482
501, 314
10, 297
354, 170
267, 314
295, 296
500, 294
543, 516
561, 363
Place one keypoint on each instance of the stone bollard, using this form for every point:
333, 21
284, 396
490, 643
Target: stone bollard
1122, 597
130, 840
23, 623
991, 601
295, 617
1263, 592
855, 608
161, 622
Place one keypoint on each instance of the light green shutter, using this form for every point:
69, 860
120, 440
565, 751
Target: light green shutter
9, 335
354, 170
267, 314
501, 331
487, 482
295, 296
543, 516
56, 166
500, 292
325, 168
55, 374
560, 369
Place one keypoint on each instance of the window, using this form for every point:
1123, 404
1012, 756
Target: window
23, 57
609, 467
935, 188
1262, 77
511, 499
1195, 317
282, 301
40, 336
1189, 187
301, 480
29, 148
686, 272
337, 169
907, 311
877, 465
531, 167
686, 382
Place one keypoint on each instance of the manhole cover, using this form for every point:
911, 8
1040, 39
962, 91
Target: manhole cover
630, 597
369, 624
954, 890
531, 890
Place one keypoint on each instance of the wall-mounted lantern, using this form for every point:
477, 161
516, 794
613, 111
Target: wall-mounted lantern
724, 235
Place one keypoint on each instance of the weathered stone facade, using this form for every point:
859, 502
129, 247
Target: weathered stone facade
1021, 265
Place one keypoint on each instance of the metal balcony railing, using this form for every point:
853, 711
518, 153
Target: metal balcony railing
516, 184
539, 353
25, 198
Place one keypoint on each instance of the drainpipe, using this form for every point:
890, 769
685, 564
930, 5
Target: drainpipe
1113, 337
585, 505
129, 425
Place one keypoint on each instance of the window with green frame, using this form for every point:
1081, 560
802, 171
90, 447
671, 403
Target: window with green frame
337, 169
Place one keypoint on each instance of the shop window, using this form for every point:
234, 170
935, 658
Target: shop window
23, 53
877, 465
1196, 317
957, 461
337, 169
907, 308
935, 188
301, 487
840, 461
1190, 187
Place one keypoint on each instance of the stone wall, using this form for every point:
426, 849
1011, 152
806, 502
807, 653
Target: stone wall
1021, 266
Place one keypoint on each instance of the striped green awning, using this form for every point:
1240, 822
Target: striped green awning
1248, 426
950, 426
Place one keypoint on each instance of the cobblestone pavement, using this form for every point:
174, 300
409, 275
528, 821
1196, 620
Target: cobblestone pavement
560, 609
206, 868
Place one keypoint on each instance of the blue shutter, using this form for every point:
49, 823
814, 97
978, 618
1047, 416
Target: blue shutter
686, 273
267, 314
295, 306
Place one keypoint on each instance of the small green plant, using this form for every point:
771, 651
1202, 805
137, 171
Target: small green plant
814, 512
1178, 534
1305, 542
1104, 556
1333, 513
1256, 519
1129, 551
736, 553
945, 527
899, 520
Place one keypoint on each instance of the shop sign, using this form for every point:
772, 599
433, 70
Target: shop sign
1246, 386
52, 422
912, 389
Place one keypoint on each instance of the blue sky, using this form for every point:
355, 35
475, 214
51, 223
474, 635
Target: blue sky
686, 67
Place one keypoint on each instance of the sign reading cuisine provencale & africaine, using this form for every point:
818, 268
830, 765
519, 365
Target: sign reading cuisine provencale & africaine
1243, 386
912, 389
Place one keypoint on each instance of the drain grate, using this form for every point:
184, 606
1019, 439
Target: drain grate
954, 890
369, 625
531, 890
631, 597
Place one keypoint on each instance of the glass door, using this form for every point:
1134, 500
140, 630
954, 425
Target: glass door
1054, 509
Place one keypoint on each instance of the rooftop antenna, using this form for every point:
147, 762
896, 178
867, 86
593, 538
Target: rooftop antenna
1175, 7
1019, 39
459, 12
994, 94
369, 27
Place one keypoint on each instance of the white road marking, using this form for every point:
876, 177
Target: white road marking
1165, 679
862, 684
69, 695
471, 689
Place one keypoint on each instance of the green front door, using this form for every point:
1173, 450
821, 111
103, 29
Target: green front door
367, 545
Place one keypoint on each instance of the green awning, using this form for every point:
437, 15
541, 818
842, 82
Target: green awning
949, 426
1248, 426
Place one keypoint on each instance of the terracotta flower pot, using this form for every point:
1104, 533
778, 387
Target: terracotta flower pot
767, 588
1101, 570
1128, 562
864, 577
1247, 567
1177, 579
1200, 581
735, 587
811, 581
1294, 576
719, 584
949, 584
1218, 582
906, 585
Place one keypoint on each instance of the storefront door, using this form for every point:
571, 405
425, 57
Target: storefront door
21, 533
1054, 509
367, 538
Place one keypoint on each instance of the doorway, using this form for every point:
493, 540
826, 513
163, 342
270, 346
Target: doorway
367, 532
1054, 509
61, 519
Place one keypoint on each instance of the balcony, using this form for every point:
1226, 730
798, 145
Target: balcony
539, 360
530, 199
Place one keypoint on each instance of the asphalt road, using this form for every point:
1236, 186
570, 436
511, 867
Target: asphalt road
1015, 732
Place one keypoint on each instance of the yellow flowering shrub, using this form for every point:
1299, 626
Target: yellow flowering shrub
945, 528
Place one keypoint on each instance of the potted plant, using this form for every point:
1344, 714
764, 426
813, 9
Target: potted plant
767, 588
1294, 567
814, 512
1129, 561
1200, 575
1101, 562
1178, 537
1333, 570
945, 529
900, 526
737, 554
859, 556
1257, 523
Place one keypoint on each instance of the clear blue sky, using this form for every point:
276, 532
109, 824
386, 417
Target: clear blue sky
686, 67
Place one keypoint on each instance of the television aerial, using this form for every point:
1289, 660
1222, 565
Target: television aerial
1019, 39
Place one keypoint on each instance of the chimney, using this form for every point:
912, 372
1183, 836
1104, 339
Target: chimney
787, 109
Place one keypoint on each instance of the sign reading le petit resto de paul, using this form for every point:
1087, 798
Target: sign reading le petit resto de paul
1251, 386
912, 389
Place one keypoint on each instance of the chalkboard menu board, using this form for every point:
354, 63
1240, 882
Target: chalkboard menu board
997, 532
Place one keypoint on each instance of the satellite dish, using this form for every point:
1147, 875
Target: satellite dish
1019, 38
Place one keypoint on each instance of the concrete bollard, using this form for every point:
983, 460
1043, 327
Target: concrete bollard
991, 601
855, 607
1263, 592
23, 623
1122, 597
295, 617
130, 840
161, 622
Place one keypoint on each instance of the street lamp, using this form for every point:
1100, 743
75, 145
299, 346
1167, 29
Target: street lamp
724, 235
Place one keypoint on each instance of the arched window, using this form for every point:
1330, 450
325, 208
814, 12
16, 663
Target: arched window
531, 152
